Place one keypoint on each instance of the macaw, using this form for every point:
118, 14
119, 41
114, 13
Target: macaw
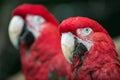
88, 47
34, 31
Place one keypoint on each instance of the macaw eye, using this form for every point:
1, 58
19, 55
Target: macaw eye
86, 31
38, 19
35, 20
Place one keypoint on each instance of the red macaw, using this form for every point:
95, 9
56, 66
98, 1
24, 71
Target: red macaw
89, 49
35, 32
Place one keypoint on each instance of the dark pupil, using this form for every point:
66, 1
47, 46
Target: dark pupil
87, 30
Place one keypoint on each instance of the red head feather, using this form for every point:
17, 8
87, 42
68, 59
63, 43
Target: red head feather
71, 24
26, 9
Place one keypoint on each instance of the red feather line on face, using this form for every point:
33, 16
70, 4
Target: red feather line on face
40, 10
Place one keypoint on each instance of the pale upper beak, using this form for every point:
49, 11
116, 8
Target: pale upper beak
67, 44
74, 46
15, 28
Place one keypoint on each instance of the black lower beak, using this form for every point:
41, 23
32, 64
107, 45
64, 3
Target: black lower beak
79, 49
26, 37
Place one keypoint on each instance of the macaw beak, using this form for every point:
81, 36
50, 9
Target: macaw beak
15, 29
19, 32
72, 47
67, 44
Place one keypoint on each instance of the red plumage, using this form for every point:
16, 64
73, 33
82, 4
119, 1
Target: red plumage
37, 9
101, 61
72, 24
44, 57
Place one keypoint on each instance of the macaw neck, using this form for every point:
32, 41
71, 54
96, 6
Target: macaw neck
46, 46
99, 55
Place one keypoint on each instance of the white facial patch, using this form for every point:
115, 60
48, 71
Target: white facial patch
35, 24
15, 28
84, 31
87, 43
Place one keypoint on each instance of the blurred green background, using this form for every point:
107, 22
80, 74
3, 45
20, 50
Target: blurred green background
106, 12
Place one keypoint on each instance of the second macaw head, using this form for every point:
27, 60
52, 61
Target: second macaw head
27, 23
79, 36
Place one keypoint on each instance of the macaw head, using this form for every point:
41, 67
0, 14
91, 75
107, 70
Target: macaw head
79, 35
28, 22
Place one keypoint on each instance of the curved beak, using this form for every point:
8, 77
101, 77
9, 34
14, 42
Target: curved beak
15, 29
73, 47
67, 44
